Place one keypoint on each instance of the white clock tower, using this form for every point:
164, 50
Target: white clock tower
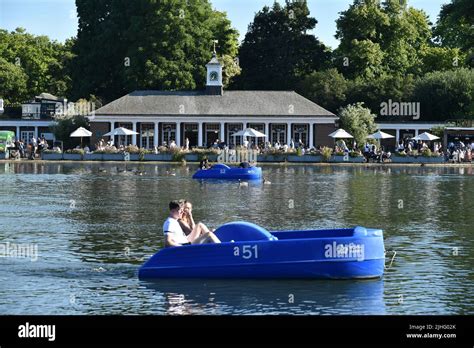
214, 76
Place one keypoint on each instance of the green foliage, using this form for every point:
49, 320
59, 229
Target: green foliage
358, 121
278, 50
13, 82
230, 70
381, 37
426, 153
438, 131
132, 149
107, 150
372, 92
30, 65
75, 151
446, 94
441, 58
454, 27
162, 45
326, 152
328, 88
65, 126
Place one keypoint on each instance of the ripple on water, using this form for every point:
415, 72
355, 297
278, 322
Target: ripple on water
94, 229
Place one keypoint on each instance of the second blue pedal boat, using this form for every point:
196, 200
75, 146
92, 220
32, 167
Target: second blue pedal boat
222, 171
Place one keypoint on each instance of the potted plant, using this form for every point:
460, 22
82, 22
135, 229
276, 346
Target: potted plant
326, 153
73, 155
273, 155
50, 155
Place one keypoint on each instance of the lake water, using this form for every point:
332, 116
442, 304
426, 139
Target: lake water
94, 224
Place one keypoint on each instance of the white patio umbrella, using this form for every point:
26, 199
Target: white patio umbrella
81, 132
249, 132
120, 131
340, 134
426, 137
380, 135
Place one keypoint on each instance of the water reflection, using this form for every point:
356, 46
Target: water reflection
270, 297
103, 216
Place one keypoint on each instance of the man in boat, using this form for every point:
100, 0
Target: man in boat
204, 164
174, 235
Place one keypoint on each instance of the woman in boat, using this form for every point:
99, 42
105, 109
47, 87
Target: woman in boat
174, 234
192, 230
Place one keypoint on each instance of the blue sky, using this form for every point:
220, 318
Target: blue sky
57, 18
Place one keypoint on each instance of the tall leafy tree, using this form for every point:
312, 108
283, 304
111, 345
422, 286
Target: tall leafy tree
446, 95
32, 65
381, 37
358, 121
13, 82
454, 27
146, 44
278, 49
328, 88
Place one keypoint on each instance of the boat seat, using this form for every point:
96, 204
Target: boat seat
242, 231
220, 166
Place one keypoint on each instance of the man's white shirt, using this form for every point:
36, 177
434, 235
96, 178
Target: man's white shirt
173, 228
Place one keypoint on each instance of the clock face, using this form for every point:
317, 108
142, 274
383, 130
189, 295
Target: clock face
213, 76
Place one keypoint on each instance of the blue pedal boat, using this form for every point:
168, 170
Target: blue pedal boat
250, 251
223, 171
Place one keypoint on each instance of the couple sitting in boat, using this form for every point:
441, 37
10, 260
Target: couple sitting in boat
180, 229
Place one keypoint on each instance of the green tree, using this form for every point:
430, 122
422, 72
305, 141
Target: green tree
445, 95
358, 121
13, 81
454, 27
441, 58
42, 61
278, 50
373, 92
144, 44
381, 37
65, 126
327, 88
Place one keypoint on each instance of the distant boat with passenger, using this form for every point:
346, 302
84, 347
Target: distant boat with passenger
223, 171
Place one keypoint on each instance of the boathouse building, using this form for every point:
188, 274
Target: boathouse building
205, 116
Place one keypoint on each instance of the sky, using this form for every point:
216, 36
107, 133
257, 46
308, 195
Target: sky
57, 18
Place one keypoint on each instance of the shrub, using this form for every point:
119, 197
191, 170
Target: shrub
326, 152
142, 153
401, 154
107, 150
75, 151
132, 149
355, 154
426, 153
178, 156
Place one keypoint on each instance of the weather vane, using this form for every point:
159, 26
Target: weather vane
215, 42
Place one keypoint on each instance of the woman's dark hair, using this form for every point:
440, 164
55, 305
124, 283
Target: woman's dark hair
174, 205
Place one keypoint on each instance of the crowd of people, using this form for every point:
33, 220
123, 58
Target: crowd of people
459, 152
29, 150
